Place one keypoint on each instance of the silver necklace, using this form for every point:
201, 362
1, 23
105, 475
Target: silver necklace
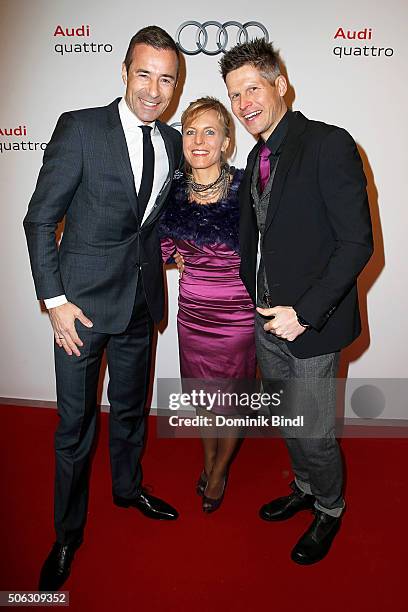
217, 190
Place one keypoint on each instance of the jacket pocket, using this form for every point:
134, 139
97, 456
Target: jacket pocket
91, 262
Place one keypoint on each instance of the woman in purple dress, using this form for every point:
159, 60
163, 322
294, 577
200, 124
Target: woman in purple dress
215, 320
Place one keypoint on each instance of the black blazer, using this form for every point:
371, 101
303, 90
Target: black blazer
87, 178
318, 234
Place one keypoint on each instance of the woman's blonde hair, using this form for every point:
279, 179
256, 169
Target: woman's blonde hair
202, 105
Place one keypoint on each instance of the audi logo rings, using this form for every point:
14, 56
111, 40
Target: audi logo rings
201, 39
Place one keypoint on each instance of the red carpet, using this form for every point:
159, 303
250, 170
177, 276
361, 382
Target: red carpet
230, 560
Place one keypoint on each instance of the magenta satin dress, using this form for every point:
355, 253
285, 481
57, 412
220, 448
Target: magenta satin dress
215, 319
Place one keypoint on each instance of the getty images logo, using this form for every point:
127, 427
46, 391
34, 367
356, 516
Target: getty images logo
213, 37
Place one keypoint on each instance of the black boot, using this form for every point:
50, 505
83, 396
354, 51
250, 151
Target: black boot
315, 543
284, 508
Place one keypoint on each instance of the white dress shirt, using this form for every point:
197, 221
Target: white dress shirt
134, 140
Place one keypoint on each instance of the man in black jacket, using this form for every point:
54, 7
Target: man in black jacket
107, 172
305, 235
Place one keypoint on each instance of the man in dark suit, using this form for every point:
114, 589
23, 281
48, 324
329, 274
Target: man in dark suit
107, 171
305, 235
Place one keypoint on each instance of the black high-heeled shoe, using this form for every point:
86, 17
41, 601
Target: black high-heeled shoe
201, 484
209, 503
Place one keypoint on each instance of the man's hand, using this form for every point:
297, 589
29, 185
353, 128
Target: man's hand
63, 323
284, 323
179, 259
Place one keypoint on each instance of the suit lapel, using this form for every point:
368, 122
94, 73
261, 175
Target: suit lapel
252, 159
245, 189
162, 195
291, 146
120, 153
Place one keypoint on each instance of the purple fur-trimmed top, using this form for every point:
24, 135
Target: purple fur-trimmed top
202, 223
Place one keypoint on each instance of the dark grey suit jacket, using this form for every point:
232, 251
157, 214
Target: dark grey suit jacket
87, 178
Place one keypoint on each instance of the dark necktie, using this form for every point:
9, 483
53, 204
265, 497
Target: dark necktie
264, 166
146, 183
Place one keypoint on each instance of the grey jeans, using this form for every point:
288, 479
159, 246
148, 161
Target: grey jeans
310, 391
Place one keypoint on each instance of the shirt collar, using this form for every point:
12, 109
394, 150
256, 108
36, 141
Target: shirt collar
278, 135
130, 120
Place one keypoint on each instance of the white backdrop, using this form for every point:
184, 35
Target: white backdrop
366, 94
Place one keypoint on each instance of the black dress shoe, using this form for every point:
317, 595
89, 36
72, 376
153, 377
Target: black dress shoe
315, 543
150, 506
57, 566
284, 508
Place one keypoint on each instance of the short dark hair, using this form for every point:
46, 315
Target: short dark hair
155, 37
258, 53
